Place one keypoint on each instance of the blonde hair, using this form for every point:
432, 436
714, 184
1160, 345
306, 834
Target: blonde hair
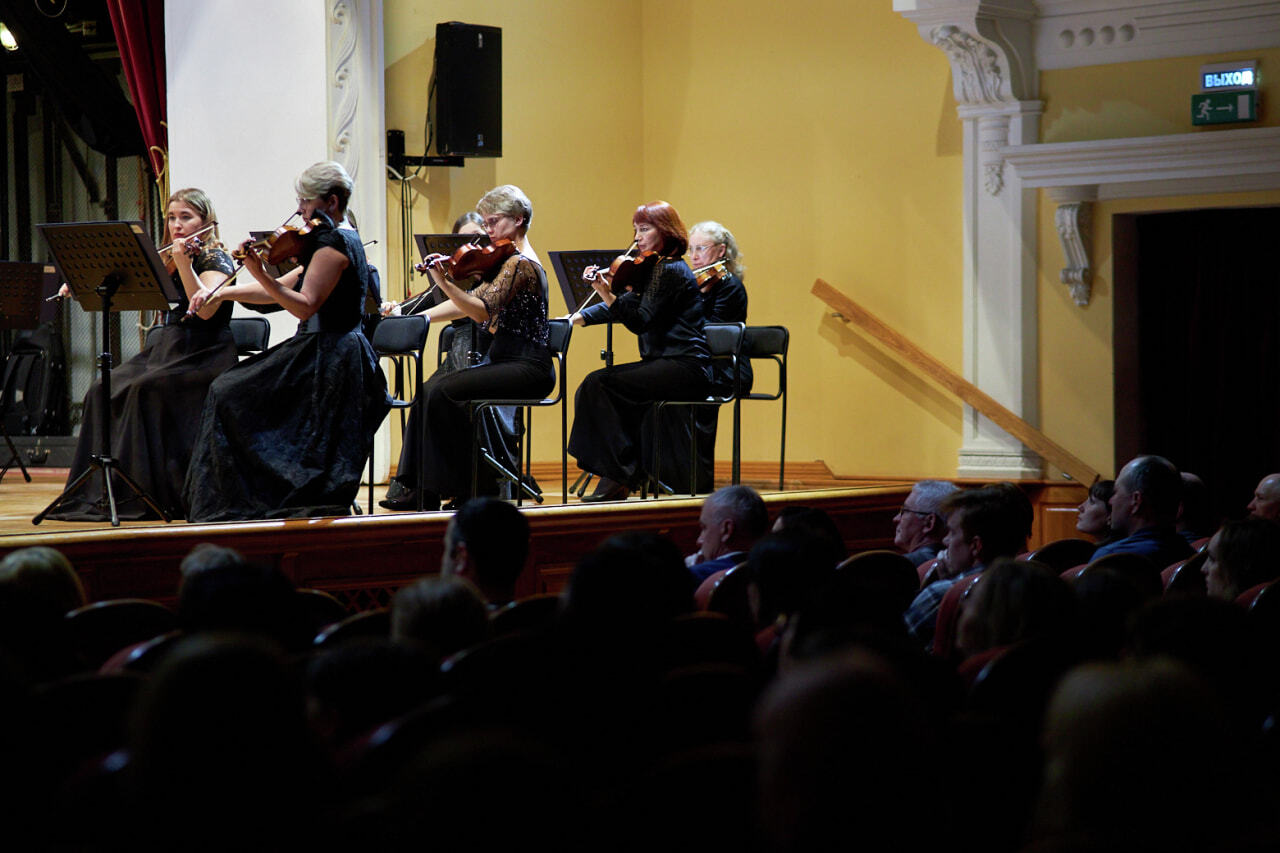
508, 200
723, 237
198, 200
325, 178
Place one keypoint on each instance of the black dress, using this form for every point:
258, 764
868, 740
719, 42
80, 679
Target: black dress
612, 426
724, 302
517, 364
286, 432
156, 399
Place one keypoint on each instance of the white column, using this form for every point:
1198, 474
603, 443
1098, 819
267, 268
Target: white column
989, 48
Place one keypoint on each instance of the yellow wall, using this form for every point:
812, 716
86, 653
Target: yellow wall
823, 134
1112, 101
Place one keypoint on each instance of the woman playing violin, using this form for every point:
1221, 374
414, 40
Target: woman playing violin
157, 395
665, 312
287, 431
510, 307
717, 264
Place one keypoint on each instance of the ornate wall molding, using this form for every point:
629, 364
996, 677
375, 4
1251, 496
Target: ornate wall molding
1074, 33
1074, 220
343, 89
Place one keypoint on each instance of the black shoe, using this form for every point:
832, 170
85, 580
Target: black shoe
401, 498
607, 490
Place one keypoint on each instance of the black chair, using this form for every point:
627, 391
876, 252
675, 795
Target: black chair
760, 342
103, 628
374, 623
401, 339
559, 333
725, 342
251, 334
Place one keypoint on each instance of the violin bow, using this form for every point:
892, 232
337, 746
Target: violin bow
235, 272
416, 300
594, 293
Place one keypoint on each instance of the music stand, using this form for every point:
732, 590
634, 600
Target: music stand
569, 267
21, 298
117, 263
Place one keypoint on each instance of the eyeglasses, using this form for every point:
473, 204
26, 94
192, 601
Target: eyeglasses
491, 222
905, 508
697, 250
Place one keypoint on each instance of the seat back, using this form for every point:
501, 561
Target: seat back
884, 574
725, 342
559, 333
401, 336
103, 628
251, 334
533, 613
766, 342
948, 624
370, 623
730, 596
323, 609
445, 343
1137, 567
1187, 575
1062, 554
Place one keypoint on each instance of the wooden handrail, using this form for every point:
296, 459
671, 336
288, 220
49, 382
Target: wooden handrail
931, 368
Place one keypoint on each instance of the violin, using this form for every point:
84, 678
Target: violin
710, 274
471, 259
194, 246
287, 241
628, 270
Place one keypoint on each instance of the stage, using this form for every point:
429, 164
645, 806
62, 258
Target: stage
363, 559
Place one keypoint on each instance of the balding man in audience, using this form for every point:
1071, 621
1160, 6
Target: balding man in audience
487, 543
1266, 498
732, 519
1144, 509
918, 526
982, 524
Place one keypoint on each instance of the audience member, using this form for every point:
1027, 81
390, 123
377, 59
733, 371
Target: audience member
1194, 519
1016, 601
229, 596
732, 519
1242, 554
786, 571
982, 524
356, 686
1144, 508
206, 555
1266, 498
814, 523
38, 587
632, 581
1093, 516
918, 526
487, 543
441, 614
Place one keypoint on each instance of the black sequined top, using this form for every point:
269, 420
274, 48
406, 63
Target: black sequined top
209, 258
516, 300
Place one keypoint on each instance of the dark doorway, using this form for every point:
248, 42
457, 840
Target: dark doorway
1197, 345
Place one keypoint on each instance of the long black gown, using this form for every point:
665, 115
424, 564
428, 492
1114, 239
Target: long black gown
612, 428
286, 432
156, 399
517, 364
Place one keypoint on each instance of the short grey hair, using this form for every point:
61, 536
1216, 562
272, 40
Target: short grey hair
509, 200
724, 237
327, 177
931, 494
745, 506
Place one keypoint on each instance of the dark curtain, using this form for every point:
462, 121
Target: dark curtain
139, 27
1197, 343
89, 99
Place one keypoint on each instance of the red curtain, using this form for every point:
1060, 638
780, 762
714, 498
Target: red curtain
139, 26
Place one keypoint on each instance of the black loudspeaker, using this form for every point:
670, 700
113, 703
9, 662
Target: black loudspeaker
468, 102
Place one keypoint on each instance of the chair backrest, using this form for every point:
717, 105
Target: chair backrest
725, 339
1137, 567
251, 334
946, 628
103, 628
445, 343
1187, 575
765, 342
884, 573
528, 614
1062, 554
559, 333
730, 595
322, 608
401, 336
370, 623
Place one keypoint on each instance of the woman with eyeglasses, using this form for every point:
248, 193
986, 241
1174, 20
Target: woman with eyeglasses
612, 427
286, 432
510, 307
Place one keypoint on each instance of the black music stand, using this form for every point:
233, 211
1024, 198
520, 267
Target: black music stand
569, 267
117, 263
21, 298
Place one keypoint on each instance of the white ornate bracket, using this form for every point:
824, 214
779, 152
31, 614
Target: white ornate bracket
1074, 219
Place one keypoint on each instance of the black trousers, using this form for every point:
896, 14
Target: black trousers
612, 425
446, 456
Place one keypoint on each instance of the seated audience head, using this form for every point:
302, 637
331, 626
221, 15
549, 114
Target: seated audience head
814, 523
1193, 509
442, 614
982, 524
1242, 554
232, 596
633, 580
919, 521
1093, 516
786, 570
45, 577
1266, 498
353, 687
1016, 601
206, 555
732, 519
1147, 493
487, 543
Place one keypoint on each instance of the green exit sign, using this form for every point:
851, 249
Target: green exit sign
1224, 107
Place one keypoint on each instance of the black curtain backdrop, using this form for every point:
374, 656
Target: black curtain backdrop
1197, 344
92, 103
